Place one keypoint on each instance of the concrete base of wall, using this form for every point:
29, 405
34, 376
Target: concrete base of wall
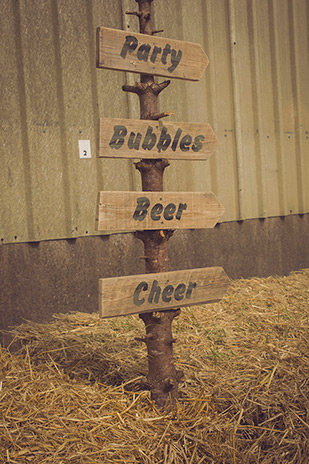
40, 279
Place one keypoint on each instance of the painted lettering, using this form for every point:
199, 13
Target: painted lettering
134, 141
129, 45
150, 140
191, 286
169, 56
117, 139
164, 141
143, 286
143, 52
166, 293
166, 51
156, 212
154, 293
143, 203
156, 51
185, 143
169, 211
175, 58
176, 139
179, 292
141, 209
182, 207
198, 143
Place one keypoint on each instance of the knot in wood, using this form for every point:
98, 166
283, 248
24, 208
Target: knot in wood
169, 384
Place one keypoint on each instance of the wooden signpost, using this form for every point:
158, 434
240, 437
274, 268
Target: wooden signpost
133, 138
152, 213
153, 210
138, 53
120, 296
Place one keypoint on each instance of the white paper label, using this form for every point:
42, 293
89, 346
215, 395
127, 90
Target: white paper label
84, 149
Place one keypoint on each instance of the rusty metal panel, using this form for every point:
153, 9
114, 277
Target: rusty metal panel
254, 93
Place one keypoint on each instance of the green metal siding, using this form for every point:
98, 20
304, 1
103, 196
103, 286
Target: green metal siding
254, 93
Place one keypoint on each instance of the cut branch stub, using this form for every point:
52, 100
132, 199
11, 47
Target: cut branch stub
135, 13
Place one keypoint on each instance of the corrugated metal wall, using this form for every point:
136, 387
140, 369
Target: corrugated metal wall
254, 93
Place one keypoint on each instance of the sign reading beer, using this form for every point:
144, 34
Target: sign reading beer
157, 210
119, 296
140, 53
135, 138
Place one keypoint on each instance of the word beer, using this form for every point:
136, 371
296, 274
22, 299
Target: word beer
143, 204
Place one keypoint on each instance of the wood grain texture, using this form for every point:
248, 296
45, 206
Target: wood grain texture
112, 53
157, 210
119, 296
135, 138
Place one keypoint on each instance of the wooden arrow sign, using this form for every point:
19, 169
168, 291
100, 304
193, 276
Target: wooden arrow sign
119, 296
135, 138
157, 210
140, 53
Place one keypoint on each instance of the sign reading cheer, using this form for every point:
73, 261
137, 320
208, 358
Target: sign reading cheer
157, 210
149, 55
165, 290
135, 138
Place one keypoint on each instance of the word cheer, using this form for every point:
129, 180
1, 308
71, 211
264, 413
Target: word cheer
149, 140
162, 290
145, 52
168, 293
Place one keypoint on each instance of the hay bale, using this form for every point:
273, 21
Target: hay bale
74, 391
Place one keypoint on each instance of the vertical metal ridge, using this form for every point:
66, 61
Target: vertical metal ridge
19, 50
189, 168
254, 93
128, 21
237, 116
277, 107
256, 107
306, 128
67, 194
91, 32
296, 98
210, 90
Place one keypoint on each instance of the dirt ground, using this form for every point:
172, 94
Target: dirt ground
73, 391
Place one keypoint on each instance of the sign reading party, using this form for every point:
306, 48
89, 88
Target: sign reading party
141, 53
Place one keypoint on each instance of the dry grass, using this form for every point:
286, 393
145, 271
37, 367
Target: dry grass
72, 393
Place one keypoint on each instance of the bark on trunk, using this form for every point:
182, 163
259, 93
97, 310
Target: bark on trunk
162, 376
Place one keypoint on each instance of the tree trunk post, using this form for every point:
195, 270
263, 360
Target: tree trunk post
163, 377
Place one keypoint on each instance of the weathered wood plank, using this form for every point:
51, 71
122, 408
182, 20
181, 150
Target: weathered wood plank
135, 138
119, 296
157, 210
133, 52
